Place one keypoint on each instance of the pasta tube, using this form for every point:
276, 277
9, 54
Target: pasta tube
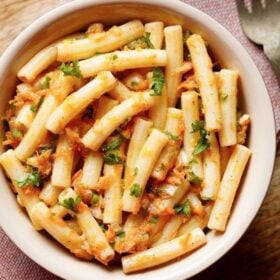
49, 194
120, 92
42, 60
79, 100
144, 164
94, 138
104, 42
122, 60
207, 85
190, 108
59, 230
174, 49
228, 188
167, 159
164, 252
139, 136
16, 172
63, 163
25, 116
211, 169
227, 85
155, 29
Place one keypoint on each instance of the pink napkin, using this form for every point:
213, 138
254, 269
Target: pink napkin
15, 265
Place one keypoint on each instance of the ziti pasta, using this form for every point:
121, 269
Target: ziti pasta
124, 142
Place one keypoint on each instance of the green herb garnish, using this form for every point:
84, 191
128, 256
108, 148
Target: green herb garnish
113, 158
135, 190
183, 208
103, 227
135, 172
203, 143
95, 199
171, 136
224, 96
114, 57
112, 145
71, 69
153, 220
71, 203
16, 133
121, 235
158, 82
143, 41
193, 178
46, 83
33, 108
32, 179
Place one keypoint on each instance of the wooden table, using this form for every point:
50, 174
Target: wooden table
257, 254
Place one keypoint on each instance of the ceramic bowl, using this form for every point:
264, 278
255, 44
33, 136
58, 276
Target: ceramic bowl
255, 100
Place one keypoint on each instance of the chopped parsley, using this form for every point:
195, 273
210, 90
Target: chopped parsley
33, 108
103, 227
46, 83
32, 179
112, 145
95, 199
71, 203
113, 158
135, 172
183, 208
135, 190
71, 69
121, 235
143, 41
224, 96
97, 53
171, 136
114, 57
158, 82
191, 163
203, 143
193, 178
16, 133
153, 220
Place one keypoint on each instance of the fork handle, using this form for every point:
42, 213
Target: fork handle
272, 51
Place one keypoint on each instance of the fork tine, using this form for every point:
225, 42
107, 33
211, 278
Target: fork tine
257, 5
242, 9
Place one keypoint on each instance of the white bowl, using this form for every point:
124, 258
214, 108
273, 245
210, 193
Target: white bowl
75, 15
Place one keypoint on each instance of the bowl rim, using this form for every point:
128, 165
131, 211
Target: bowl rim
176, 6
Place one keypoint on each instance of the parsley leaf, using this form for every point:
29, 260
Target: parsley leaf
114, 57
193, 178
183, 208
143, 42
70, 203
135, 190
16, 133
153, 220
112, 158
71, 69
33, 108
171, 136
135, 172
103, 227
112, 145
32, 179
158, 82
121, 235
224, 96
95, 199
202, 143
46, 83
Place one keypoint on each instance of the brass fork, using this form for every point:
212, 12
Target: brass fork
261, 24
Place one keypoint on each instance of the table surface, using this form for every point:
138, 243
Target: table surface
257, 254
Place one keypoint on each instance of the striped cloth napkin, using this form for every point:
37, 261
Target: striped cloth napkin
15, 265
